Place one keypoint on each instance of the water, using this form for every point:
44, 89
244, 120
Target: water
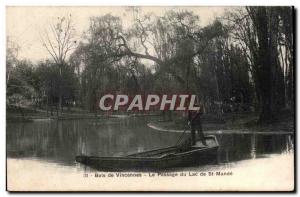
59, 142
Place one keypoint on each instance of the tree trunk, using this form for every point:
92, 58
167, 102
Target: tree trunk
269, 75
60, 89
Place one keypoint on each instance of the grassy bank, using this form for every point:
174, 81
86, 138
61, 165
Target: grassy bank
233, 121
25, 114
227, 121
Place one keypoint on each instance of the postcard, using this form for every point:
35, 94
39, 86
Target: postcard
150, 98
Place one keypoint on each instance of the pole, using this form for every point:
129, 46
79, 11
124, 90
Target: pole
181, 136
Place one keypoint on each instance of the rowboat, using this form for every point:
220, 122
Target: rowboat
158, 159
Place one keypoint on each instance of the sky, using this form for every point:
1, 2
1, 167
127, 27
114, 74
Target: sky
26, 24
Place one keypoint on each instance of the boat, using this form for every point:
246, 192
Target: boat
158, 159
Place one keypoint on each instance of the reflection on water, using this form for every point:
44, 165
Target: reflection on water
61, 141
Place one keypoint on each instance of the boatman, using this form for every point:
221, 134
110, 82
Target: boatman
194, 121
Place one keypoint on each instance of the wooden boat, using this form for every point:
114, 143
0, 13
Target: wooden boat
158, 159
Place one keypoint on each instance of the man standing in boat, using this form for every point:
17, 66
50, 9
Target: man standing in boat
194, 121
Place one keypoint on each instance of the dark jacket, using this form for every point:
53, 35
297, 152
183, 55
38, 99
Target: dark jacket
194, 118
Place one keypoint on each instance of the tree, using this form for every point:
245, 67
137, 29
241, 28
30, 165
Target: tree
59, 41
11, 57
269, 72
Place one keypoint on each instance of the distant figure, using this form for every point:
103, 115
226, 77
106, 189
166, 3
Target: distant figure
194, 121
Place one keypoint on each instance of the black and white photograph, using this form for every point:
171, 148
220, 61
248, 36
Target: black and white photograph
150, 98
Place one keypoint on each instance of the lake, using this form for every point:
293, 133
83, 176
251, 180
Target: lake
59, 141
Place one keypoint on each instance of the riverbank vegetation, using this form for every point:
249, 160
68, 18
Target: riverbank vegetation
242, 62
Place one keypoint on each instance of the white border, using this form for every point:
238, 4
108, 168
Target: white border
153, 2
112, 3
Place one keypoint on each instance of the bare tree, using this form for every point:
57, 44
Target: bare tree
12, 50
59, 40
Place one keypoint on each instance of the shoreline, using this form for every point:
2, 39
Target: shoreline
223, 131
